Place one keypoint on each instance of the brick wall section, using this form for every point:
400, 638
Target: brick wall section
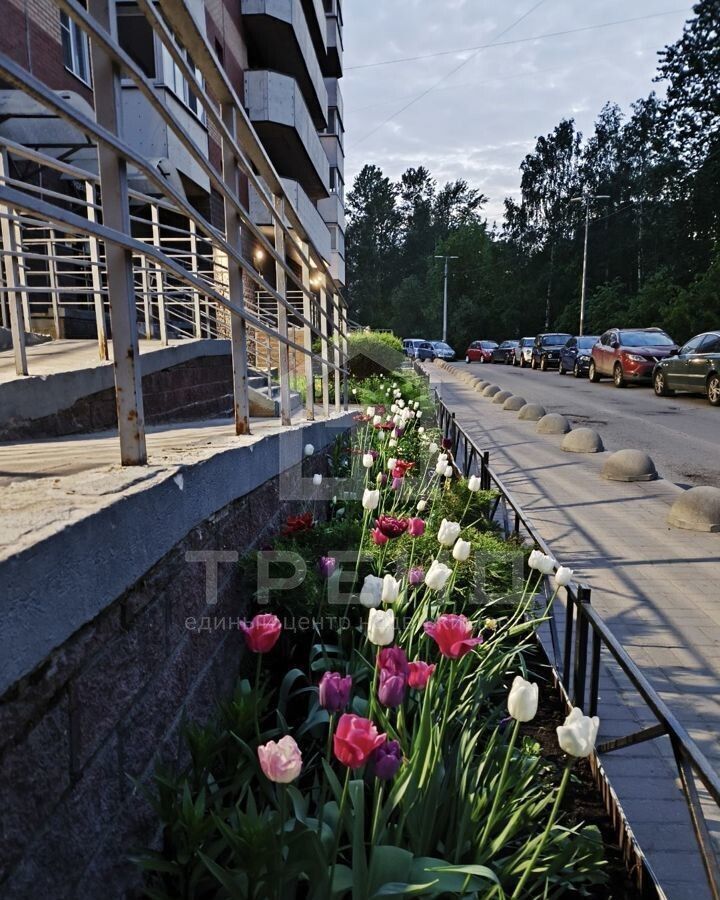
197, 389
108, 705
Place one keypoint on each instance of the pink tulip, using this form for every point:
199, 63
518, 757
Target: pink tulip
416, 527
281, 762
452, 634
419, 674
262, 633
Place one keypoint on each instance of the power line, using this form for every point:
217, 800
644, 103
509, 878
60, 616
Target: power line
447, 75
496, 43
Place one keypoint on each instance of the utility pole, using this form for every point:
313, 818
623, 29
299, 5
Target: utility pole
587, 200
445, 294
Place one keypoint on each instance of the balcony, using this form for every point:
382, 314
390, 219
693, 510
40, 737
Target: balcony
315, 18
279, 39
335, 97
334, 151
337, 266
311, 220
334, 59
277, 110
332, 210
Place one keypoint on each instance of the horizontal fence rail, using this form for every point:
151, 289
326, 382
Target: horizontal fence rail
147, 263
577, 656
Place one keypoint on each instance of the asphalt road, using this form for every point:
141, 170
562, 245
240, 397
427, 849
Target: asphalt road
681, 433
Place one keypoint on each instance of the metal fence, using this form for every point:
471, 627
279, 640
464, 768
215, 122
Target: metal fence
578, 648
149, 263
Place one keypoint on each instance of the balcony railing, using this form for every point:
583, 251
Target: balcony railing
151, 262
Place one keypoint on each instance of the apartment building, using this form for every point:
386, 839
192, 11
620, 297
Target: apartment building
284, 60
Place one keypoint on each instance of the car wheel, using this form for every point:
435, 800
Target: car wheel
713, 389
561, 368
593, 372
543, 364
467, 360
618, 377
533, 363
522, 362
660, 385
576, 370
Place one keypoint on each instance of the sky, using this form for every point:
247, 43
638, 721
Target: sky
475, 114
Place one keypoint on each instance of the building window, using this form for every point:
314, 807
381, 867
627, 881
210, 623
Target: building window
135, 36
337, 185
75, 47
178, 84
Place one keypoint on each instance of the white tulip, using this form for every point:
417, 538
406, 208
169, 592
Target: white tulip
391, 589
381, 627
523, 699
473, 484
462, 549
449, 532
393, 408
371, 591
421, 430
392, 442
433, 448
546, 565
370, 411
416, 404
368, 460
388, 417
391, 463
563, 577
317, 479
401, 403
421, 506
448, 473
437, 575
534, 559
577, 735
309, 450
377, 420
371, 499
418, 414
354, 392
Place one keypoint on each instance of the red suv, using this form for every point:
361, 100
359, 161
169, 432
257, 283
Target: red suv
480, 351
629, 354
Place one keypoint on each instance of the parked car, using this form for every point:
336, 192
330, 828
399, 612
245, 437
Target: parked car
523, 352
629, 354
695, 368
504, 352
480, 351
425, 350
546, 350
575, 355
443, 350
410, 346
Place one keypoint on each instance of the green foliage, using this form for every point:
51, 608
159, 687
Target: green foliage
373, 353
653, 245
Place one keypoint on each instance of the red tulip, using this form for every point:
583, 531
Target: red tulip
295, 524
378, 537
416, 527
419, 674
355, 740
262, 633
391, 527
402, 466
452, 635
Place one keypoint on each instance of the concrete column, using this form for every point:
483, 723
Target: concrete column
194, 269
116, 215
307, 338
13, 276
336, 345
324, 351
238, 329
159, 276
53, 282
280, 287
346, 390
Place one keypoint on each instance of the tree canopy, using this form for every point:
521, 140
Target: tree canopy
655, 249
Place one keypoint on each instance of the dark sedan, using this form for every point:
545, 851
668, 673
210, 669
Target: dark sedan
504, 353
546, 351
575, 356
695, 369
425, 350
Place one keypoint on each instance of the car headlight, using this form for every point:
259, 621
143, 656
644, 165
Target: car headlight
635, 358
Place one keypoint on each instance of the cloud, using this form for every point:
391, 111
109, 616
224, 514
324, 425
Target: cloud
479, 123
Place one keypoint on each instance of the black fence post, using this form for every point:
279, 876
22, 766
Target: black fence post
485, 471
581, 647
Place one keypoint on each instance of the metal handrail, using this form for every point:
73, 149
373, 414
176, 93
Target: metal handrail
577, 671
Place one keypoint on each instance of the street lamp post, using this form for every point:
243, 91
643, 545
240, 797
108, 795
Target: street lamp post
586, 199
445, 294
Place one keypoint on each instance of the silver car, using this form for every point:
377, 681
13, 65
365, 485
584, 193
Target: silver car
523, 352
443, 350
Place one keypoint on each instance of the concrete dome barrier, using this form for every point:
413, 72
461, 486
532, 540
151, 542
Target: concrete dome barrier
531, 412
629, 465
502, 396
553, 423
514, 403
697, 509
490, 390
582, 440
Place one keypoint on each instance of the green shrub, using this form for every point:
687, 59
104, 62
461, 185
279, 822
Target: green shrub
373, 353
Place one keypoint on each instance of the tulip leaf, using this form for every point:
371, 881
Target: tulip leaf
402, 889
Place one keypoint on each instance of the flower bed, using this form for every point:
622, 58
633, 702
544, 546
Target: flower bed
374, 749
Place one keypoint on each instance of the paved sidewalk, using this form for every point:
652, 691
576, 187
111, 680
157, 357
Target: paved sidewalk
658, 589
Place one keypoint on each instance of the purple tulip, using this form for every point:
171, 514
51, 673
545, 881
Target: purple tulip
393, 665
397, 484
386, 760
326, 566
398, 432
447, 443
334, 691
416, 576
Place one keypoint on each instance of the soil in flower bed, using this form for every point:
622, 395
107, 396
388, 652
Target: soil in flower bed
582, 802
